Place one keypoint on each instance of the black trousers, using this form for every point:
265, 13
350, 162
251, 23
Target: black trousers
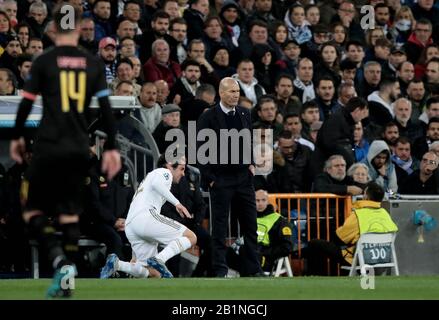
317, 254
204, 266
114, 240
242, 194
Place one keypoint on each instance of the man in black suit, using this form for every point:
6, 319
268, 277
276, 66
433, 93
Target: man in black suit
231, 185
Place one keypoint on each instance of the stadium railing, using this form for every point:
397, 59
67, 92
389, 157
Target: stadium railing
312, 216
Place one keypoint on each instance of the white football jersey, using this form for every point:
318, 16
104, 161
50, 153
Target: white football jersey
152, 193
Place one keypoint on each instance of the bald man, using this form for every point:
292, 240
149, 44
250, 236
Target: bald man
230, 182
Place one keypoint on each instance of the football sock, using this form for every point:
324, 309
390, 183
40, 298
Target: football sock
173, 248
136, 269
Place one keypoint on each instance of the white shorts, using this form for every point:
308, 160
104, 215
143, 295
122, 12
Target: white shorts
146, 230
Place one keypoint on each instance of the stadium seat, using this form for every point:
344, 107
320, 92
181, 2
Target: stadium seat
282, 266
376, 250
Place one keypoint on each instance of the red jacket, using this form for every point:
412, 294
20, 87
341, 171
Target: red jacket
154, 71
414, 48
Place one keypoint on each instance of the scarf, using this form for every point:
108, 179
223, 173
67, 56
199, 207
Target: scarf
301, 33
405, 165
188, 87
308, 90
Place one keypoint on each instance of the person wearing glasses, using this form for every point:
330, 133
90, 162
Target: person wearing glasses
419, 40
425, 180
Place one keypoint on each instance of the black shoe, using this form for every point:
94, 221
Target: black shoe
259, 275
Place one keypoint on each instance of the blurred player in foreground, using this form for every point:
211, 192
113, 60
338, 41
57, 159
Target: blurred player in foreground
67, 78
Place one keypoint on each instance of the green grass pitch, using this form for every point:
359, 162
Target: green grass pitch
386, 287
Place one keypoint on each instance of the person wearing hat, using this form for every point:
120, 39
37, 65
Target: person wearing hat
310, 49
396, 58
107, 52
12, 51
170, 120
220, 57
196, 13
232, 18
290, 58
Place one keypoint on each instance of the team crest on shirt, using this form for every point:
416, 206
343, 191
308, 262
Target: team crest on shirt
286, 231
166, 175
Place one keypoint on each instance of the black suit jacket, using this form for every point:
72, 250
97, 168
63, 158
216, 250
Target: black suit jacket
222, 174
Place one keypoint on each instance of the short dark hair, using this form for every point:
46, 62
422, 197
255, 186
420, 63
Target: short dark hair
205, 88
354, 43
124, 82
58, 17
356, 102
374, 192
415, 80
245, 60
390, 124
387, 81
189, 62
431, 100
22, 58
130, 2
258, 23
324, 77
283, 76
291, 115
285, 134
434, 59
160, 14
178, 20
162, 161
403, 140
264, 99
433, 120
124, 60
381, 5
312, 104
347, 64
194, 41
425, 21
125, 38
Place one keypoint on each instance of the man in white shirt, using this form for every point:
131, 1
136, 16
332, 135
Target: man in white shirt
145, 227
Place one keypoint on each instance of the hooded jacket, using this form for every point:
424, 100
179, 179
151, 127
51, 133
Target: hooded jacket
252, 91
380, 112
389, 181
301, 33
